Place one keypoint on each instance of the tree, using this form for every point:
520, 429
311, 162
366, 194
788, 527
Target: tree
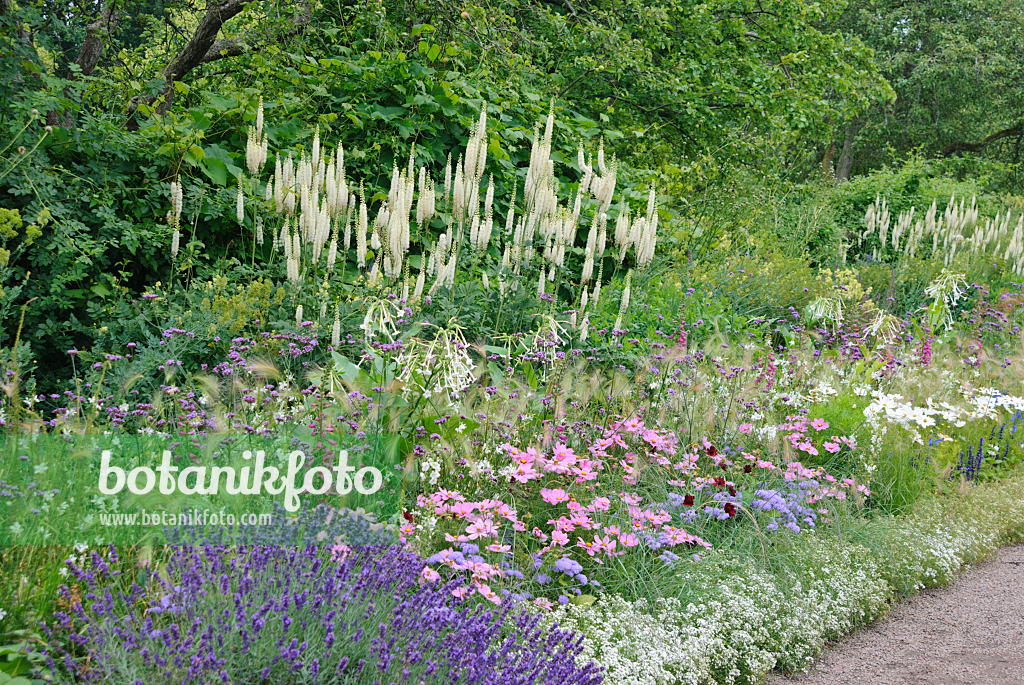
957, 67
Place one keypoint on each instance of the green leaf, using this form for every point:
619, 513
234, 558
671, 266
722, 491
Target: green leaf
216, 170
583, 600
344, 367
195, 154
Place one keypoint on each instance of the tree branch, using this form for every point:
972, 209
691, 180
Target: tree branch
95, 33
963, 146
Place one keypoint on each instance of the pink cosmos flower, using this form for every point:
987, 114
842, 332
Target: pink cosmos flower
633, 425
429, 575
831, 447
488, 593
819, 424
525, 473
606, 545
631, 499
484, 528
559, 538
554, 495
745, 428
629, 540
582, 520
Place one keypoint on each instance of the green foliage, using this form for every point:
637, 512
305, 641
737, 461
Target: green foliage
955, 66
764, 286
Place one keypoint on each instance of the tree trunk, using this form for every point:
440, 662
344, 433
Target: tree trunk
95, 33
204, 47
844, 165
89, 55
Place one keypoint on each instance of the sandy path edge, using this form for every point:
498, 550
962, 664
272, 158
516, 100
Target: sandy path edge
968, 632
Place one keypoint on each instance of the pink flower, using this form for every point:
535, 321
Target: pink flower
499, 548
808, 447
629, 540
562, 523
488, 593
340, 552
559, 538
553, 496
831, 447
525, 473
631, 499
588, 546
745, 428
819, 424
634, 425
484, 528
581, 520
429, 575
600, 504
606, 545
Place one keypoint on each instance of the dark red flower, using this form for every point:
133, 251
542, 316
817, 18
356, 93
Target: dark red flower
730, 509
407, 515
732, 491
712, 452
748, 468
720, 482
688, 501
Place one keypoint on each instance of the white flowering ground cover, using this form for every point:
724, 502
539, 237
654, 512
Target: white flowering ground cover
739, 620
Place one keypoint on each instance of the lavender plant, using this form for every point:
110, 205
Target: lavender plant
298, 615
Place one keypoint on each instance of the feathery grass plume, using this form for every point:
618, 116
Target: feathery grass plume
298, 315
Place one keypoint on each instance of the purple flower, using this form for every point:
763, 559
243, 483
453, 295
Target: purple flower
230, 613
568, 566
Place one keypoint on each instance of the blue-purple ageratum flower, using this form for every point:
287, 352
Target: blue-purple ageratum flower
568, 566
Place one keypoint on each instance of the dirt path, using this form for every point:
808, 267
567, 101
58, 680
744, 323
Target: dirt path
968, 633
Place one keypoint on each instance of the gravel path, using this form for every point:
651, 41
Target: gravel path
968, 633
